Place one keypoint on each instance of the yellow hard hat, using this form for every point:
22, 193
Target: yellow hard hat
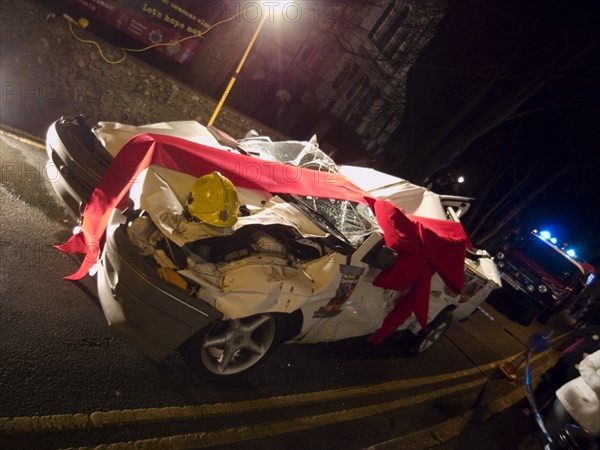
213, 200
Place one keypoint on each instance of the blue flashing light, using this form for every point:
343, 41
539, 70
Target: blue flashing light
571, 253
545, 234
553, 240
590, 279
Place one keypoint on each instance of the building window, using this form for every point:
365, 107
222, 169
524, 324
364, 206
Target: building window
344, 78
389, 32
358, 89
310, 55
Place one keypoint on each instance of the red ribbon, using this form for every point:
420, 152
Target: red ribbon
425, 245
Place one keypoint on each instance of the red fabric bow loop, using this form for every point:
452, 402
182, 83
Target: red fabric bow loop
425, 246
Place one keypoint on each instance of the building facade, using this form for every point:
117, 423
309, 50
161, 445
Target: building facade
330, 68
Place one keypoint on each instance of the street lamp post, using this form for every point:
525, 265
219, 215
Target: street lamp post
238, 69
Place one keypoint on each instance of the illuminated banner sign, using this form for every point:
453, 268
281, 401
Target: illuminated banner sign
158, 21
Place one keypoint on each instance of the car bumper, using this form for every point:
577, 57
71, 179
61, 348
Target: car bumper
75, 161
153, 315
528, 306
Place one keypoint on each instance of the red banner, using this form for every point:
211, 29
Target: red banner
157, 21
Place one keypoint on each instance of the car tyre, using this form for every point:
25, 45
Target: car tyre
425, 339
229, 349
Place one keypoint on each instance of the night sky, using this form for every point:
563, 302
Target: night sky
524, 78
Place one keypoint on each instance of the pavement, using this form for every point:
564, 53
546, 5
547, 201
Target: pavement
503, 424
47, 73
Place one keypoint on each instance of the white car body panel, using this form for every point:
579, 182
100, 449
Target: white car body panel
410, 198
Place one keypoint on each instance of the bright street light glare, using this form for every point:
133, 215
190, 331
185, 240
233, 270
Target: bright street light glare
284, 10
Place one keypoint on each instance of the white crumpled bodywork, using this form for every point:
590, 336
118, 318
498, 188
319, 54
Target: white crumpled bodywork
114, 135
162, 193
268, 280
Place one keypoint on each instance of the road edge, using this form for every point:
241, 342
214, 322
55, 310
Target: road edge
22, 136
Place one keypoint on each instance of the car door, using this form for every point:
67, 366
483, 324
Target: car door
356, 308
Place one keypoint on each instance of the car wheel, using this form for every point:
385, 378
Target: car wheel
227, 349
425, 339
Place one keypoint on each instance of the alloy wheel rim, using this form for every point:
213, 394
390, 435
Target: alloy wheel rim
233, 346
433, 336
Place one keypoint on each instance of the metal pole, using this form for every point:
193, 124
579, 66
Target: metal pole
237, 71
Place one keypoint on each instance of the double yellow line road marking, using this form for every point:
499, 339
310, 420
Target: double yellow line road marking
233, 435
100, 419
96, 420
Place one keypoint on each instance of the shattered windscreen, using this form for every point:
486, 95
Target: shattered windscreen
293, 153
354, 221
349, 221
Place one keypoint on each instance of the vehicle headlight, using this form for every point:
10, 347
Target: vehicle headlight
531, 288
542, 288
500, 255
500, 264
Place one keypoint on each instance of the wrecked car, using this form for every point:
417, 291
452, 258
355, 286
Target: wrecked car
315, 252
